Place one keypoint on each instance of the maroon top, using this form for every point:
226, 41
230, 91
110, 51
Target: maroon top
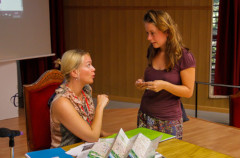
164, 105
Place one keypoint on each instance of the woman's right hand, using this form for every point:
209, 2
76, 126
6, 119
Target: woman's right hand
102, 100
140, 84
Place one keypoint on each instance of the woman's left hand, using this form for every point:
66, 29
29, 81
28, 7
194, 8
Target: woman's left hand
156, 85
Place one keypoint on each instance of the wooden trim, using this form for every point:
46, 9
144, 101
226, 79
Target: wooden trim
206, 108
48, 77
27, 117
140, 7
186, 106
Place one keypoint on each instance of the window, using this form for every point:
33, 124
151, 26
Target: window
215, 19
214, 37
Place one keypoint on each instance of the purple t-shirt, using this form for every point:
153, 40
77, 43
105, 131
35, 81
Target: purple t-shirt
164, 105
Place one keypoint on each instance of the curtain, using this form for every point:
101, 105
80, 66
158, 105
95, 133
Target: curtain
32, 69
57, 27
227, 68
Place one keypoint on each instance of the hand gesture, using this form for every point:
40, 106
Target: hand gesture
102, 100
140, 84
156, 85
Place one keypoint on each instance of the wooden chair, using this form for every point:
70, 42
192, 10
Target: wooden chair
37, 110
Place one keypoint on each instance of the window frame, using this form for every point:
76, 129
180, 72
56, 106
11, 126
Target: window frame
212, 46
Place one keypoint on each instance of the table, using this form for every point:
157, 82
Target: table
175, 148
178, 148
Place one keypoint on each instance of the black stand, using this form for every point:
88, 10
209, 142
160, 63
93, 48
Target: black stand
5, 132
11, 145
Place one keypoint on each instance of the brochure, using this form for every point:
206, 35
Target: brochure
139, 146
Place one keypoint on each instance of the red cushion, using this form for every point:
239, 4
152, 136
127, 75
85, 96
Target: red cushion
40, 117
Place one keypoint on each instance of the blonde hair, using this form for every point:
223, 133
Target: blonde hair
71, 60
174, 45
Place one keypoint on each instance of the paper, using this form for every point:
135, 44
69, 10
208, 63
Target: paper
138, 146
101, 148
78, 150
122, 147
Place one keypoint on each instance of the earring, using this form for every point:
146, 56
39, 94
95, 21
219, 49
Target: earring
78, 75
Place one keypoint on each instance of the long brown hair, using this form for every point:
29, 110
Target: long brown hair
174, 45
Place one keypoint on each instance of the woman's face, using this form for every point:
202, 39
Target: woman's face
86, 70
156, 37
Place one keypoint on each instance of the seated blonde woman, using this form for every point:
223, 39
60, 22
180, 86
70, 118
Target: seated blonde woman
73, 116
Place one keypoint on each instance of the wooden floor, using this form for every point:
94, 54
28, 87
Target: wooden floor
217, 137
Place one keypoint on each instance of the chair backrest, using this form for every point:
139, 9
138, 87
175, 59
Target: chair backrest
37, 110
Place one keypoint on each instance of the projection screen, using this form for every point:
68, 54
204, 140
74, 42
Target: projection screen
24, 29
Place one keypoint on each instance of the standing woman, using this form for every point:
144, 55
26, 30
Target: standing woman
170, 75
73, 117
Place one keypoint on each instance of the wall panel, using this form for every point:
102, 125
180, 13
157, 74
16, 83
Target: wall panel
113, 32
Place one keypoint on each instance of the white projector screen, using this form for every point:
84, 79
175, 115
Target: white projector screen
24, 29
